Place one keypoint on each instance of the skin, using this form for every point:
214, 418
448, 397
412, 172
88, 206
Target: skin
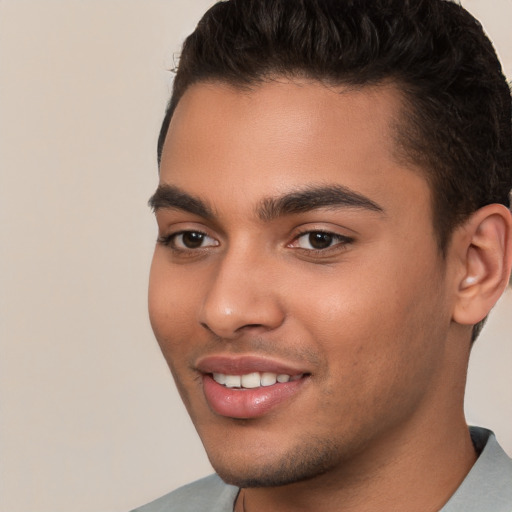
378, 422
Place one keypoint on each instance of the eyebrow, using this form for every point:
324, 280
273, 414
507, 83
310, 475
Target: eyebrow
171, 197
298, 201
312, 198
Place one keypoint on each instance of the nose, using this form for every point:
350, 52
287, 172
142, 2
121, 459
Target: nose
242, 295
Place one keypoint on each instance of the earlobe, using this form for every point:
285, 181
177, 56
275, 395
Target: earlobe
486, 252
469, 281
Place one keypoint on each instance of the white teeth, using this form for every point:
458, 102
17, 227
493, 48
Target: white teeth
253, 380
268, 379
233, 381
220, 378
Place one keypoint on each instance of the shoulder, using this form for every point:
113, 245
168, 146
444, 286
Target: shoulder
208, 494
488, 486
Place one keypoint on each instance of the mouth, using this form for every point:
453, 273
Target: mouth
249, 387
254, 380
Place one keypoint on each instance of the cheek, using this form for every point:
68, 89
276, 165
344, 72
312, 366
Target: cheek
170, 302
377, 344
171, 313
375, 320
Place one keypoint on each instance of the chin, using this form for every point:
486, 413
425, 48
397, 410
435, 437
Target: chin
305, 462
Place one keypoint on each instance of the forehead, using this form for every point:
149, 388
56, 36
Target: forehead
224, 142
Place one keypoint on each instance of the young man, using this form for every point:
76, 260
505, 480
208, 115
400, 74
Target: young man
334, 227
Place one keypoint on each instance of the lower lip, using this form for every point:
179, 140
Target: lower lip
248, 403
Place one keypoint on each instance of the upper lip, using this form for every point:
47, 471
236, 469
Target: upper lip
241, 365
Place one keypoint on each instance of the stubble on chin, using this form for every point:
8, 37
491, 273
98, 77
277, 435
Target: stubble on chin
305, 462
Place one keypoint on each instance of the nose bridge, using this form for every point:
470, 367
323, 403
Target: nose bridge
241, 295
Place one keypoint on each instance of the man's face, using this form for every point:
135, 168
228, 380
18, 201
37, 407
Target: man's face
296, 251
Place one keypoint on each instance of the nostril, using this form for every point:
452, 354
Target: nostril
206, 326
233, 333
249, 326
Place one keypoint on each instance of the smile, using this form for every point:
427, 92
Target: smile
253, 380
249, 386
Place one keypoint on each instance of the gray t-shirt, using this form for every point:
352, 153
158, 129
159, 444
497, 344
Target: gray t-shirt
486, 488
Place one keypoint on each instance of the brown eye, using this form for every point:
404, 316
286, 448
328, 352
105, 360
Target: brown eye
192, 239
189, 240
318, 240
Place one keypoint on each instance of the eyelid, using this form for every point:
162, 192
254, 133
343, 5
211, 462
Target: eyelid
171, 238
169, 235
342, 240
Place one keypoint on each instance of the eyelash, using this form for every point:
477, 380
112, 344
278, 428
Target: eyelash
169, 240
340, 242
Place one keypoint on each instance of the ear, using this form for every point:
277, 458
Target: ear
485, 258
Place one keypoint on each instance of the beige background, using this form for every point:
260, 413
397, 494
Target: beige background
89, 419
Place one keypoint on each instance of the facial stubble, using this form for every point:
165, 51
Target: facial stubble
310, 458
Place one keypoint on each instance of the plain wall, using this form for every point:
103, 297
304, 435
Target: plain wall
89, 418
